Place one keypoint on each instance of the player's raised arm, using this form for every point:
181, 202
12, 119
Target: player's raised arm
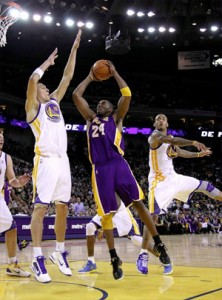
68, 71
31, 104
125, 99
80, 102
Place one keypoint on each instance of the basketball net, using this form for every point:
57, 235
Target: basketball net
7, 18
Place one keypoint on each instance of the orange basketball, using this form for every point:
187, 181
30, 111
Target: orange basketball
101, 69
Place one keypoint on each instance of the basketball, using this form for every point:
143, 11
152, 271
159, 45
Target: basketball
101, 69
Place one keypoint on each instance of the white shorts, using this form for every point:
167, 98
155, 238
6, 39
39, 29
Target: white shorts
5, 215
51, 179
174, 186
122, 220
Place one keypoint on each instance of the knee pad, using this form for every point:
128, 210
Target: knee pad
107, 222
90, 229
208, 189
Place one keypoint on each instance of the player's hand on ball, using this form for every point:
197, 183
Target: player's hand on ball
112, 67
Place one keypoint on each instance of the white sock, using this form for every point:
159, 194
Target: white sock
60, 247
143, 251
37, 251
92, 259
12, 260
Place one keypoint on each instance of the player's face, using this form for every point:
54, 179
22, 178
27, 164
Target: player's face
1, 141
161, 122
42, 93
103, 108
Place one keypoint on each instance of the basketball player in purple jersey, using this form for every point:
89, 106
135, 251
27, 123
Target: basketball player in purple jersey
110, 172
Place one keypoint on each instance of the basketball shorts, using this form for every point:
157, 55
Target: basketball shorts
174, 186
51, 179
5, 216
122, 221
112, 177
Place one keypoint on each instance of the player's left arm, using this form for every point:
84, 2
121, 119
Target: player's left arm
10, 174
125, 99
188, 154
59, 93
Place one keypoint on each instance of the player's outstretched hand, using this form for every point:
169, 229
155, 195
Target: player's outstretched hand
52, 57
203, 153
23, 179
200, 146
78, 38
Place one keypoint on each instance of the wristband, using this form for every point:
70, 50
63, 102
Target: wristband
10, 181
39, 72
125, 91
194, 142
198, 154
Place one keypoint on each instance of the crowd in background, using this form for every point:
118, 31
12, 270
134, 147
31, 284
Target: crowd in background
200, 215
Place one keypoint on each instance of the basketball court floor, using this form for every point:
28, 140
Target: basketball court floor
197, 272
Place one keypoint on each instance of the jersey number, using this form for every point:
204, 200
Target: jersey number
97, 130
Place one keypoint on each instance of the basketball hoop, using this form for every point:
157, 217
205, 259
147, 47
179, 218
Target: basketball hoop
10, 13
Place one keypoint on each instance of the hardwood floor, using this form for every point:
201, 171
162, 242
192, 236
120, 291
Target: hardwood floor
197, 272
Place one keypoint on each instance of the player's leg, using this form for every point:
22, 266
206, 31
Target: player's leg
116, 262
90, 265
61, 196
103, 183
11, 242
59, 256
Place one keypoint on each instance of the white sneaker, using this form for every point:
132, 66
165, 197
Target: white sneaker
59, 258
16, 270
39, 270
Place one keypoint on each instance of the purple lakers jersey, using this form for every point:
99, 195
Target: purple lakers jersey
105, 141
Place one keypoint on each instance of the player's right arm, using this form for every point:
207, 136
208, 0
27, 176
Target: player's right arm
158, 138
80, 102
31, 104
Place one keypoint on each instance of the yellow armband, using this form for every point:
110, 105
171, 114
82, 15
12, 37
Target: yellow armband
198, 154
125, 91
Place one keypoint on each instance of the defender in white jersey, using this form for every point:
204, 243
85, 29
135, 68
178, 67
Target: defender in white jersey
7, 225
51, 172
164, 183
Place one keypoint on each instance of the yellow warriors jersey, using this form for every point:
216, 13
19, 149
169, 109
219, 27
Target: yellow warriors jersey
49, 130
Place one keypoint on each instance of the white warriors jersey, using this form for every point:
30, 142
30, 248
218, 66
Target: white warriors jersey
49, 130
159, 162
3, 166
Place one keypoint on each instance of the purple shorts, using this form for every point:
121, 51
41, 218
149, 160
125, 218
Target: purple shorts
114, 176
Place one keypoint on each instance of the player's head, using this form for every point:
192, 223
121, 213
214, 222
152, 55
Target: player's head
42, 93
1, 139
104, 108
161, 122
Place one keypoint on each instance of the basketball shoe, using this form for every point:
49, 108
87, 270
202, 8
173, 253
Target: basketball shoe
142, 263
39, 270
88, 268
15, 270
164, 257
59, 258
117, 271
168, 269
